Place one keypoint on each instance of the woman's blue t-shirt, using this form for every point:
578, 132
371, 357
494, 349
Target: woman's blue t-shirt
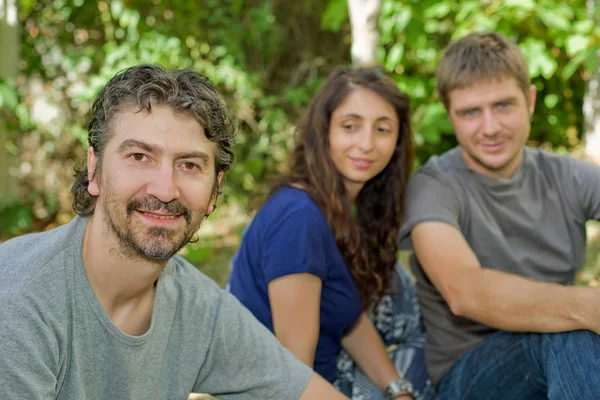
290, 235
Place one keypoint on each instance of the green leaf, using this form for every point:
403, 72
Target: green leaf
546, 65
551, 100
334, 15
526, 5
440, 10
8, 96
576, 43
585, 27
465, 10
553, 19
573, 65
394, 56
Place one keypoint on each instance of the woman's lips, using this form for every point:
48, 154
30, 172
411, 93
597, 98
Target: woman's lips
361, 163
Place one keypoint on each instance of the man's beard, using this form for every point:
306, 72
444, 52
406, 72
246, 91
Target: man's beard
154, 243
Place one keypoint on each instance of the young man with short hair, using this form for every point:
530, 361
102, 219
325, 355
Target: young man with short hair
498, 231
101, 308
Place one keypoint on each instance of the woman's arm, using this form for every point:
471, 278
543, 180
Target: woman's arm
366, 348
295, 301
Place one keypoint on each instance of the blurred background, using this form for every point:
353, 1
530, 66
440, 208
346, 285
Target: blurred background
268, 57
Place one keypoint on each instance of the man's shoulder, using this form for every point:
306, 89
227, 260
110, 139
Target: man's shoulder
446, 164
31, 256
440, 172
193, 285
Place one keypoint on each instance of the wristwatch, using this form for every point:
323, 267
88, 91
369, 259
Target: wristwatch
398, 386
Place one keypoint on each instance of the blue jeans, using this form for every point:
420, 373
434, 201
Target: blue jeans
527, 366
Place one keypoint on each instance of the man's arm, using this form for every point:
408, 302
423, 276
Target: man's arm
246, 361
495, 298
318, 389
28, 352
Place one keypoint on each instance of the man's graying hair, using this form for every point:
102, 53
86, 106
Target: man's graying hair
186, 92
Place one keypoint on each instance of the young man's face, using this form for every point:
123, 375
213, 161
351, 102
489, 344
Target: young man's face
156, 181
491, 119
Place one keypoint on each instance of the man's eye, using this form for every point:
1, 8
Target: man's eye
138, 157
190, 166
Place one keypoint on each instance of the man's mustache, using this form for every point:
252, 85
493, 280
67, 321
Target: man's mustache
150, 203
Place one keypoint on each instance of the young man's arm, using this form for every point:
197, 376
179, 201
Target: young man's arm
495, 298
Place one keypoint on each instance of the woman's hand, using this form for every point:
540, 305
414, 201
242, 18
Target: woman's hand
366, 348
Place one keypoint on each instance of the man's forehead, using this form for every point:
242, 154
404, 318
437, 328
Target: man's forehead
489, 89
160, 127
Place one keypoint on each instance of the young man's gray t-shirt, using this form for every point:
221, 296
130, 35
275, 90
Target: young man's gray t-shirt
532, 224
56, 342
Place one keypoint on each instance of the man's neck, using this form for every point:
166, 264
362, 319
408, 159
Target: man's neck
124, 286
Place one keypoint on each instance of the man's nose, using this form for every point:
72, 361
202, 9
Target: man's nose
163, 184
491, 124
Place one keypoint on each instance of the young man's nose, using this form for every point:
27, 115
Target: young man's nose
490, 123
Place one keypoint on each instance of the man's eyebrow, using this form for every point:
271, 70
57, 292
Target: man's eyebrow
156, 150
132, 143
509, 99
204, 158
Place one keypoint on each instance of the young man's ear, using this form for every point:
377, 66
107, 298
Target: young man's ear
94, 185
213, 198
532, 97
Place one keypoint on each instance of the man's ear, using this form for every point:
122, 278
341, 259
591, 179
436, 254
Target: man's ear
213, 198
94, 184
532, 96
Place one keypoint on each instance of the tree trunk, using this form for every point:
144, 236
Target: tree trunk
9, 63
364, 18
591, 102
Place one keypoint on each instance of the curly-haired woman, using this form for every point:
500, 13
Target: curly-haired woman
320, 255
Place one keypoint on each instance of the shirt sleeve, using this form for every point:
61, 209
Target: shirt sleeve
245, 360
28, 352
428, 198
586, 179
299, 243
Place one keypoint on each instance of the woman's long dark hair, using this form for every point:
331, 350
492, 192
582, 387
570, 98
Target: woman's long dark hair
367, 238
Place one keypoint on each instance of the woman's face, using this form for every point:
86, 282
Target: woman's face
363, 132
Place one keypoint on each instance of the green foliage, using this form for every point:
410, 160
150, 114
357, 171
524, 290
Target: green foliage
556, 38
268, 58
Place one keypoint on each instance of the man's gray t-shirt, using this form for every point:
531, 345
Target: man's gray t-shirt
56, 341
531, 224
